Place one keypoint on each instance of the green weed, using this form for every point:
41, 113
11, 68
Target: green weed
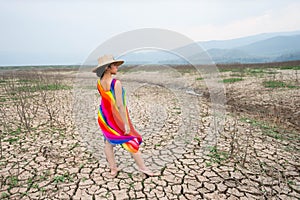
12, 140
26, 81
15, 132
208, 164
255, 70
236, 75
272, 72
131, 186
58, 179
13, 181
216, 155
81, 166
290, 182
266, 129
4, 195
65, 177
231, 70
43, 87
36, 186
290, 67
232, 80
277, 84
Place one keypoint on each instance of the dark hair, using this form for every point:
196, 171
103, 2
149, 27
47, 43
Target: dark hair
100, 73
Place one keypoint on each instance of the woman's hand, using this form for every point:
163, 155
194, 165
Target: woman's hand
127, 130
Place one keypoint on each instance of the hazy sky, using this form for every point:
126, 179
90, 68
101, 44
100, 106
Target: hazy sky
66, 31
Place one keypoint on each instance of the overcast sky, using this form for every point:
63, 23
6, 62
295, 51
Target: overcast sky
66, 31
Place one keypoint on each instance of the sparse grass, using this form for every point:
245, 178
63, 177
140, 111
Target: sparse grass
43, 87
272, 72
291, 149
199, 78
23, 194
58, 179
236, 75
290, 67
12, 140
29, 183
74, 146
4, 195
232, 80
255, 71
65, 177
277, 84
81, 166
266, 129
26, 81
207, 164
290, 182
231, 70
12, 181
242, 72
216, 155
131, 186
15, 132
157, 145
36, 186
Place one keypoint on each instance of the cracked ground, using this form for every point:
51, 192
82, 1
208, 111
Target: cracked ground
60, 155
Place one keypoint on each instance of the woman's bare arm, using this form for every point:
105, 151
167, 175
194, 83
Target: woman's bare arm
120, 105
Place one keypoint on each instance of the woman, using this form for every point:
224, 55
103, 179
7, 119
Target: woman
113, 116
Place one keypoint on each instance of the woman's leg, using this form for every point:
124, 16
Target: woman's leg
140, 163
109, 153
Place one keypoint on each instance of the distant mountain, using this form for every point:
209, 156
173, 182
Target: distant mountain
279, 48
267, 47
238, 42
274, 46
288, 57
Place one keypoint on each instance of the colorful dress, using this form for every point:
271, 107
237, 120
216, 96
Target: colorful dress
111, 123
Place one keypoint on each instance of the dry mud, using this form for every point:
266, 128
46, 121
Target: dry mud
197, 149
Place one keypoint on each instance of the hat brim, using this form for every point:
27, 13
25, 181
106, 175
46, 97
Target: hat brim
118, 62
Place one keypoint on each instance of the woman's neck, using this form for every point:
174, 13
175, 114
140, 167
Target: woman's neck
107, 76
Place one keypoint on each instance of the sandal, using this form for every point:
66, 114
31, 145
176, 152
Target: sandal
146, 171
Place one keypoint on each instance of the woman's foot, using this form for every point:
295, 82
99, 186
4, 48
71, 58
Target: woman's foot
114, 172
146, 171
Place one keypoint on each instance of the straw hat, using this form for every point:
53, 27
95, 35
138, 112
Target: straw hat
104, 61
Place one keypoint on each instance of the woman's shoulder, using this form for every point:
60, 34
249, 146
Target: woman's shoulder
116, 81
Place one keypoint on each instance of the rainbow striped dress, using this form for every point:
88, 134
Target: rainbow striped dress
111, 123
